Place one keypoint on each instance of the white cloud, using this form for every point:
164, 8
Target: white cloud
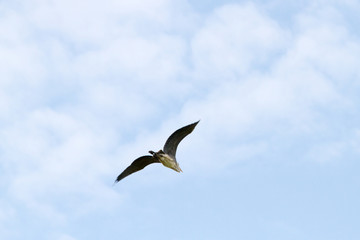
53, 156
7, 216
66, 237
310, 70
235, 38
87, 87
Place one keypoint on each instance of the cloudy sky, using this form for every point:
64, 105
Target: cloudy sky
88, 86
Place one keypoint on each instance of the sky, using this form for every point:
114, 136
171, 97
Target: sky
88, 86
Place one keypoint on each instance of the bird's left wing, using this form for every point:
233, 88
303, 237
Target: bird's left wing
137, 165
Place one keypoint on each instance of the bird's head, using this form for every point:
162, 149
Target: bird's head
158, 152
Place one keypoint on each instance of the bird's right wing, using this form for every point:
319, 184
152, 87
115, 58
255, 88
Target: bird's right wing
173, 141
137, 165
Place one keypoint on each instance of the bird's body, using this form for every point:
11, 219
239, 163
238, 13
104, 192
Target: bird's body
166, 160
166, 156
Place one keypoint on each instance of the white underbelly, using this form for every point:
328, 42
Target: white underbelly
167, 161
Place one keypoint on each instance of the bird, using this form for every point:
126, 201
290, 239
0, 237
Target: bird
166, 156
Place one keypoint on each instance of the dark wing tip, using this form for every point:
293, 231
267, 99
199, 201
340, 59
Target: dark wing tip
118, 179
191, 126
195, 123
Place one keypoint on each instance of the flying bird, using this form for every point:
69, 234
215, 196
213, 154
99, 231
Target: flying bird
165, 156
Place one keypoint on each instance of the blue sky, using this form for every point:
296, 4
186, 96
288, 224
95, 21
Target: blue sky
87, 86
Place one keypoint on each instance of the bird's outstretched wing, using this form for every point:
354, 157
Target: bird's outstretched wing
137, 165
173, 141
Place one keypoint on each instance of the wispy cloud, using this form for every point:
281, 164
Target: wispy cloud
86, 87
